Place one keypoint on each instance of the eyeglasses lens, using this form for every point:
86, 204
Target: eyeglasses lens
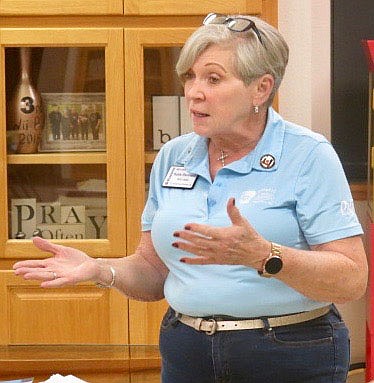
214, 18
239, 25
236, 24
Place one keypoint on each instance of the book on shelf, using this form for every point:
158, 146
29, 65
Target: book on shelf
95, 213
165, 119
186, 125
23, 216
96, 223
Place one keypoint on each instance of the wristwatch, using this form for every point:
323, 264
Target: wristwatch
273, 263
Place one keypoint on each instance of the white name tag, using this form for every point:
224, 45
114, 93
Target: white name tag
179, 177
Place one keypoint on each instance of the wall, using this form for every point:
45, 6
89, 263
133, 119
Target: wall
305, 91
304, 98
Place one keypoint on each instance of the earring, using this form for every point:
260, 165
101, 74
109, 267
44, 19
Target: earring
255, 109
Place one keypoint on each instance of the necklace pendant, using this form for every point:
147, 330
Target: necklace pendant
222, 157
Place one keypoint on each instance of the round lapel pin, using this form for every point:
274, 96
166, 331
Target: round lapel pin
267, 161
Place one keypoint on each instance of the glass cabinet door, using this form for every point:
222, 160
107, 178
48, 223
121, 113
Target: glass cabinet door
64, 139
153, 58
150, 57
64, 7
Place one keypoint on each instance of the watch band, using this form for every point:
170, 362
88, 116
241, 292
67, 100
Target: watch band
276, 249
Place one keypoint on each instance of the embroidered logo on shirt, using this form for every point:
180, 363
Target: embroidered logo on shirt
265, 196
347, 208
247, 196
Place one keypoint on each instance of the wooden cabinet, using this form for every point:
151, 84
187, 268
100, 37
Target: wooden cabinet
94, 363
115, 55
64, 7
176, 7
127, 7
83, 314
63, 159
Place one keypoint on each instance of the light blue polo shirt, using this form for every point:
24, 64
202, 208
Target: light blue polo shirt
302, 199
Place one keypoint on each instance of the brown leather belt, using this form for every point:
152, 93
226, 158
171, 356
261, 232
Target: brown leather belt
210, 326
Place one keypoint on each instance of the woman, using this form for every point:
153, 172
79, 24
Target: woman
249, 230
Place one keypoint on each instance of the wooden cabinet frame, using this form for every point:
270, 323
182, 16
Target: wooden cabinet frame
177, 7
64, 7
112, 40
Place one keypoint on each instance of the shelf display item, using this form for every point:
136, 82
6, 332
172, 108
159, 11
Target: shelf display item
74, 122
25, 113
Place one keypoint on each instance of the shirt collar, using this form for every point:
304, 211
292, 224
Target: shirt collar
265, 156
271, 143
195, 155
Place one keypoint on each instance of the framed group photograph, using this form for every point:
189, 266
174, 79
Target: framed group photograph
73, 122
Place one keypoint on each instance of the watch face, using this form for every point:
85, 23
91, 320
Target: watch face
274, 265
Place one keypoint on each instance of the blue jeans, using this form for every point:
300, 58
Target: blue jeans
316, 351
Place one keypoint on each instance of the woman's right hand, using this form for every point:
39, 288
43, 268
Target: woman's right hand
67, 266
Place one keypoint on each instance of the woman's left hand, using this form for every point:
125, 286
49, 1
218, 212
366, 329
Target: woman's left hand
238, 244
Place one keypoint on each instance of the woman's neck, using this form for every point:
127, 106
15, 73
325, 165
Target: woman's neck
226, 148
229, 148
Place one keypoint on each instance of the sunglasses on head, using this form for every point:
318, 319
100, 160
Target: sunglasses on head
235, 24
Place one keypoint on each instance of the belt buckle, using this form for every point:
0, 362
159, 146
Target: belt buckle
214, 326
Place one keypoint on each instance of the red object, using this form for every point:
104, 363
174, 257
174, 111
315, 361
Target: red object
368, 46
370, 312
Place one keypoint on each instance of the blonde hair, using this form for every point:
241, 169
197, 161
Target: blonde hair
251, 59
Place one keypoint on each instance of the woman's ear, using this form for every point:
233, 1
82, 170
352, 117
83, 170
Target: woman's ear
265, 85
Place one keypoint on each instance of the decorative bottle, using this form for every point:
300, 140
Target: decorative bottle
26, 117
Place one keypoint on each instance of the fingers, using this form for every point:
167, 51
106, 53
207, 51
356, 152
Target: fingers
38, 275
218, 245
234, 213
208, 231
47, 277
31, 263
64, 268
44, 245
197, 230
41, 244
197, 261
194, 242
58, 282
195, 237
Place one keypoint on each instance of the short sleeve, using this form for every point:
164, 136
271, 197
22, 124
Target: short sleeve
324, 204
151, 205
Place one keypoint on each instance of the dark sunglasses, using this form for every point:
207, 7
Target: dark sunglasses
235, 24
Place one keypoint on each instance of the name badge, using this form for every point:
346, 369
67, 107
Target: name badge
179, 177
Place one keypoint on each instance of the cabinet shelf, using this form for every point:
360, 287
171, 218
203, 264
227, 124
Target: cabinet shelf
58, 158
